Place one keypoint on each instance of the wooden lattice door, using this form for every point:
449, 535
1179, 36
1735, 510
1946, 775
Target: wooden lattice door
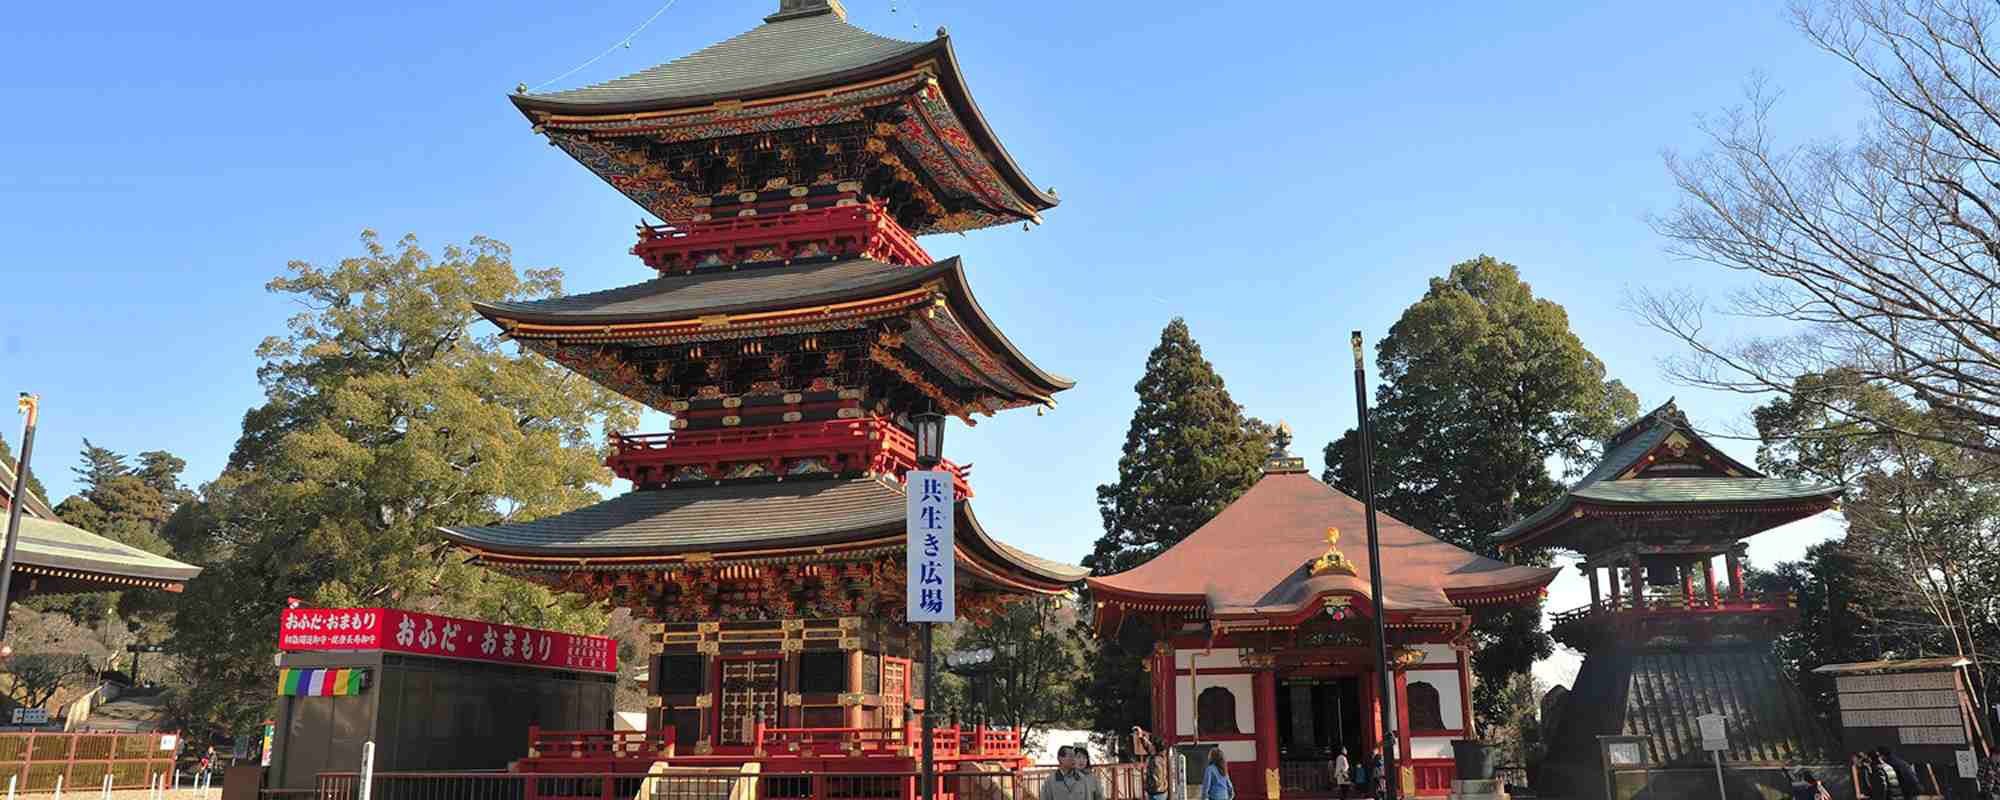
749, 696
895, 693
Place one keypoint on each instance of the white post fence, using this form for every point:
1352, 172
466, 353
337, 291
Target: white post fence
367, 769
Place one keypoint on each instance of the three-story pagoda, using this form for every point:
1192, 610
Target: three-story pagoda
793, 326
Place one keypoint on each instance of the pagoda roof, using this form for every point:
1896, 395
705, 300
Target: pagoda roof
963, 343
68, 558
1660, 464
784, 55
769, 287
1255, 560
802, 56
652, 528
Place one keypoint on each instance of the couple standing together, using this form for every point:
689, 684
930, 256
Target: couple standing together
1152, 752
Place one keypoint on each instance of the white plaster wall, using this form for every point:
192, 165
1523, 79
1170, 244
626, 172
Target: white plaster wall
1436, 654
1430, 747
1219, 658
1239, 685
1240, 752
1449, 692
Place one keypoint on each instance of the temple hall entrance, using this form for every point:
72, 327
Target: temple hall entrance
1317, 716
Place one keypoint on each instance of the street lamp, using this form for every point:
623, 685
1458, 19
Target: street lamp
930, 438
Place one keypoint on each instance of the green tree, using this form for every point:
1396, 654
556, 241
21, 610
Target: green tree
99, 465
1031, 680
390, 413
1483, 385
1921, 557
1189, 452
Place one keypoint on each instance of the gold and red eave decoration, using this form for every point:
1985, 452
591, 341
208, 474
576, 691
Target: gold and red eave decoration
396, 630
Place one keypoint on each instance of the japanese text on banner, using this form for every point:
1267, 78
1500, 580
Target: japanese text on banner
929, 561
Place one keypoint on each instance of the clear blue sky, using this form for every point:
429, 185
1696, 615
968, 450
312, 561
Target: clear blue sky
1278, 173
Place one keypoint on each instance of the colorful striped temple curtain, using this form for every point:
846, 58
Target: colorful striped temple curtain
321, 682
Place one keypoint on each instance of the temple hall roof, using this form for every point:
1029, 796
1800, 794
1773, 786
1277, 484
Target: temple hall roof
648, 527
1659, 463
1255, 558
57, 556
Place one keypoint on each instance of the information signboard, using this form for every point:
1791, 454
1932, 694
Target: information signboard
929, 560
1714, 733
448, 637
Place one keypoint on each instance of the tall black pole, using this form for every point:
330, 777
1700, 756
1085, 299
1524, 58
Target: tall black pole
930, 776
1385, 687
29, 405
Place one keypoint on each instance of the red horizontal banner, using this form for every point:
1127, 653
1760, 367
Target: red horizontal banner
448, 637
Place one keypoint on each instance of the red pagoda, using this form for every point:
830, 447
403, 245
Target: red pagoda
1665, 640
1271, 658
791, 329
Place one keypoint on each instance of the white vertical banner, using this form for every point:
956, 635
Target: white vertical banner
931, 509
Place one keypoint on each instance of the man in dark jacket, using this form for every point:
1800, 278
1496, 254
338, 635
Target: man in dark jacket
1906, 775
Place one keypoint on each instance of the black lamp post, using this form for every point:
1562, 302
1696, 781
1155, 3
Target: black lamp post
929, 427
30, 406
1386, 688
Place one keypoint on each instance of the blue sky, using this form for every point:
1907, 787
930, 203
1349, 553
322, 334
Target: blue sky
1277, 173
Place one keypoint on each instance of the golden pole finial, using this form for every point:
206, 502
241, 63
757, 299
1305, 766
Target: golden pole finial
1355, 340
28, 404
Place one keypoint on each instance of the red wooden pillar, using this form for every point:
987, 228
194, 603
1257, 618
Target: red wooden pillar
1735, 562
1687, 585
1164, 677
1265, 683
1371, 717
1465, 721
1617, 587
1596, 598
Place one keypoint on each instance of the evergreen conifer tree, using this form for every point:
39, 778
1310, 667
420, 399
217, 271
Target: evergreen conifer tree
1188, 453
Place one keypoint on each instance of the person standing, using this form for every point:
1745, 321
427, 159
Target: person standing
1154, 762
1070, 781
1215, 784
1907, 783
1379, 773
1343, 774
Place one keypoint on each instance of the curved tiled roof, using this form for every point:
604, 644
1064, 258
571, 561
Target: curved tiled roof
1253, 557
1602, 486
733, 517
762, 288
52, 544
786, 52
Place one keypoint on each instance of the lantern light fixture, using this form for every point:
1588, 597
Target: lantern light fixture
930, 438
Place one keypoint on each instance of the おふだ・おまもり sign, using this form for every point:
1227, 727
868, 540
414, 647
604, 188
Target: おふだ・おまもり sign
446, 637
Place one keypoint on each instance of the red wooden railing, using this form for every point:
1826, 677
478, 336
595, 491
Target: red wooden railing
1668, 604
1120, 782
946, 743
873, 443
646, 746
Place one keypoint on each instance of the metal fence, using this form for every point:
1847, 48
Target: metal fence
1120, 782
81, 760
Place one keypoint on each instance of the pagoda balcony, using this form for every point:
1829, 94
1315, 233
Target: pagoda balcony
872, 445
862, 228
1675, 614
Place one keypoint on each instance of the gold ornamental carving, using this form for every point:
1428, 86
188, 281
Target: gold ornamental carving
1333, 562
792, 645
657, 628
794, 625
708, 627
1404, 657
850, 623
794, 699
655, 702
703, 748
704, 700
1271, 787
853, 699
850, 643
709, 648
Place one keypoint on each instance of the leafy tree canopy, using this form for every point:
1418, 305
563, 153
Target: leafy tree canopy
1483, 387
389, 414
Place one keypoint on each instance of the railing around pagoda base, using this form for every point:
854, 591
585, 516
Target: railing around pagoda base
872, 444
1672, 614
946, 743
646, 746
1120, 782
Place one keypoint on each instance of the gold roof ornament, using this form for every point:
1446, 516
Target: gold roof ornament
1334, 562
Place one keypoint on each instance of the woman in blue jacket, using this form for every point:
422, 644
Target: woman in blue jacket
1215, 783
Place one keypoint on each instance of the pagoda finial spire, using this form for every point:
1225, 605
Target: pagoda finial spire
794, 9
